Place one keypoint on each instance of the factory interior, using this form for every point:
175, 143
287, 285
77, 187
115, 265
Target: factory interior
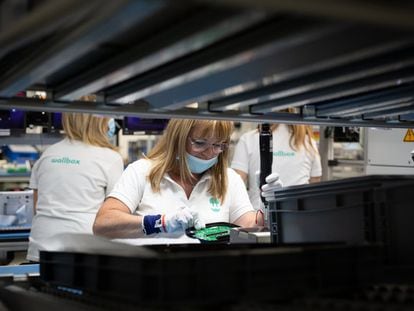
342, 68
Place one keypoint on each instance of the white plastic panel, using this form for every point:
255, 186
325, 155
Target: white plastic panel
386, 147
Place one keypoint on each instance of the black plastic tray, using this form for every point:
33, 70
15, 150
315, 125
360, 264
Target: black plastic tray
213, 273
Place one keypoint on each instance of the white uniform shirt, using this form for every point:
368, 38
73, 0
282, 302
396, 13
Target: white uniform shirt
135, 191
73, 180
293, 167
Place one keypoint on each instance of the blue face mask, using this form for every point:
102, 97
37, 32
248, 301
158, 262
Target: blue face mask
111, 128
198, 165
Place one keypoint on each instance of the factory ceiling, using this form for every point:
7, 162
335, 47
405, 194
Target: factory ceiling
336, 62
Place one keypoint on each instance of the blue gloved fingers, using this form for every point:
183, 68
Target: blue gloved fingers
172, 222
198, 222
185, 218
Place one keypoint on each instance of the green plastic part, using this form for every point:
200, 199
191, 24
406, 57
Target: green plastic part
212, 233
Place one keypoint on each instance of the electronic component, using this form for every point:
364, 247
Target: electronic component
212, 233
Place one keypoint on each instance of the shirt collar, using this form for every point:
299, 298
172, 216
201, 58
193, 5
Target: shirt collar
205, 177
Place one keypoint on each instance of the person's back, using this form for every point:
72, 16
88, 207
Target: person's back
71, 180
295, 165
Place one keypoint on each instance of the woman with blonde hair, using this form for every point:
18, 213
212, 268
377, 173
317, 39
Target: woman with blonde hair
72, 178
185, 181
295, 158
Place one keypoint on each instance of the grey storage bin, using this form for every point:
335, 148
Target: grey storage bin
359, 210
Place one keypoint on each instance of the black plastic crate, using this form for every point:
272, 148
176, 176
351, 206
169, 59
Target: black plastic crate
359, 210
207, 274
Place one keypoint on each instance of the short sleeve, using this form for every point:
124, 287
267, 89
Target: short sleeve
33, 184
241, 156
114, 173
239, 199
316, 169
130, 187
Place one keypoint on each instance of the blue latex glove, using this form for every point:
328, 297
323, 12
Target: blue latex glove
273, 183
171, 222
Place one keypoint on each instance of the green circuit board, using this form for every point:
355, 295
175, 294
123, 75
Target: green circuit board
211, 234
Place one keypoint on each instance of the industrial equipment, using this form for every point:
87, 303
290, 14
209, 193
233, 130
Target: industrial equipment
266, 160
339, 63
387, 151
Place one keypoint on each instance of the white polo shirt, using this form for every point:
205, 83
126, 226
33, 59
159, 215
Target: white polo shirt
72, 179
295, 167
134, 189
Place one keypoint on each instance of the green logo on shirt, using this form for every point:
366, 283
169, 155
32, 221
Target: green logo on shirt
65, 160
215, 204
282, 153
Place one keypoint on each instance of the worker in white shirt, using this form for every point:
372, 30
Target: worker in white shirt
296, 158
185, 181
72, 178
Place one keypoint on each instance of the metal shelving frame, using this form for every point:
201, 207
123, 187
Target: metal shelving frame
339, 63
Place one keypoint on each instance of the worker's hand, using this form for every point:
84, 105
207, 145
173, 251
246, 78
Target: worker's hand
273, 183
198, 223
181, 220
172, 222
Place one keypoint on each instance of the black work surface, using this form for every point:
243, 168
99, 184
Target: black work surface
211, 274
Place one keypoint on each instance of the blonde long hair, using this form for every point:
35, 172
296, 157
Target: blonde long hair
169, 154
87, 128
300, 136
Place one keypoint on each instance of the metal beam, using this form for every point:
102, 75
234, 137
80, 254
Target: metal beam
140, 109
252, 53
109, 20
44, 20
354, 104
283, 58
407, 116
382, 107
391, 111
363, 64
388, 13
337, 92
189, 35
